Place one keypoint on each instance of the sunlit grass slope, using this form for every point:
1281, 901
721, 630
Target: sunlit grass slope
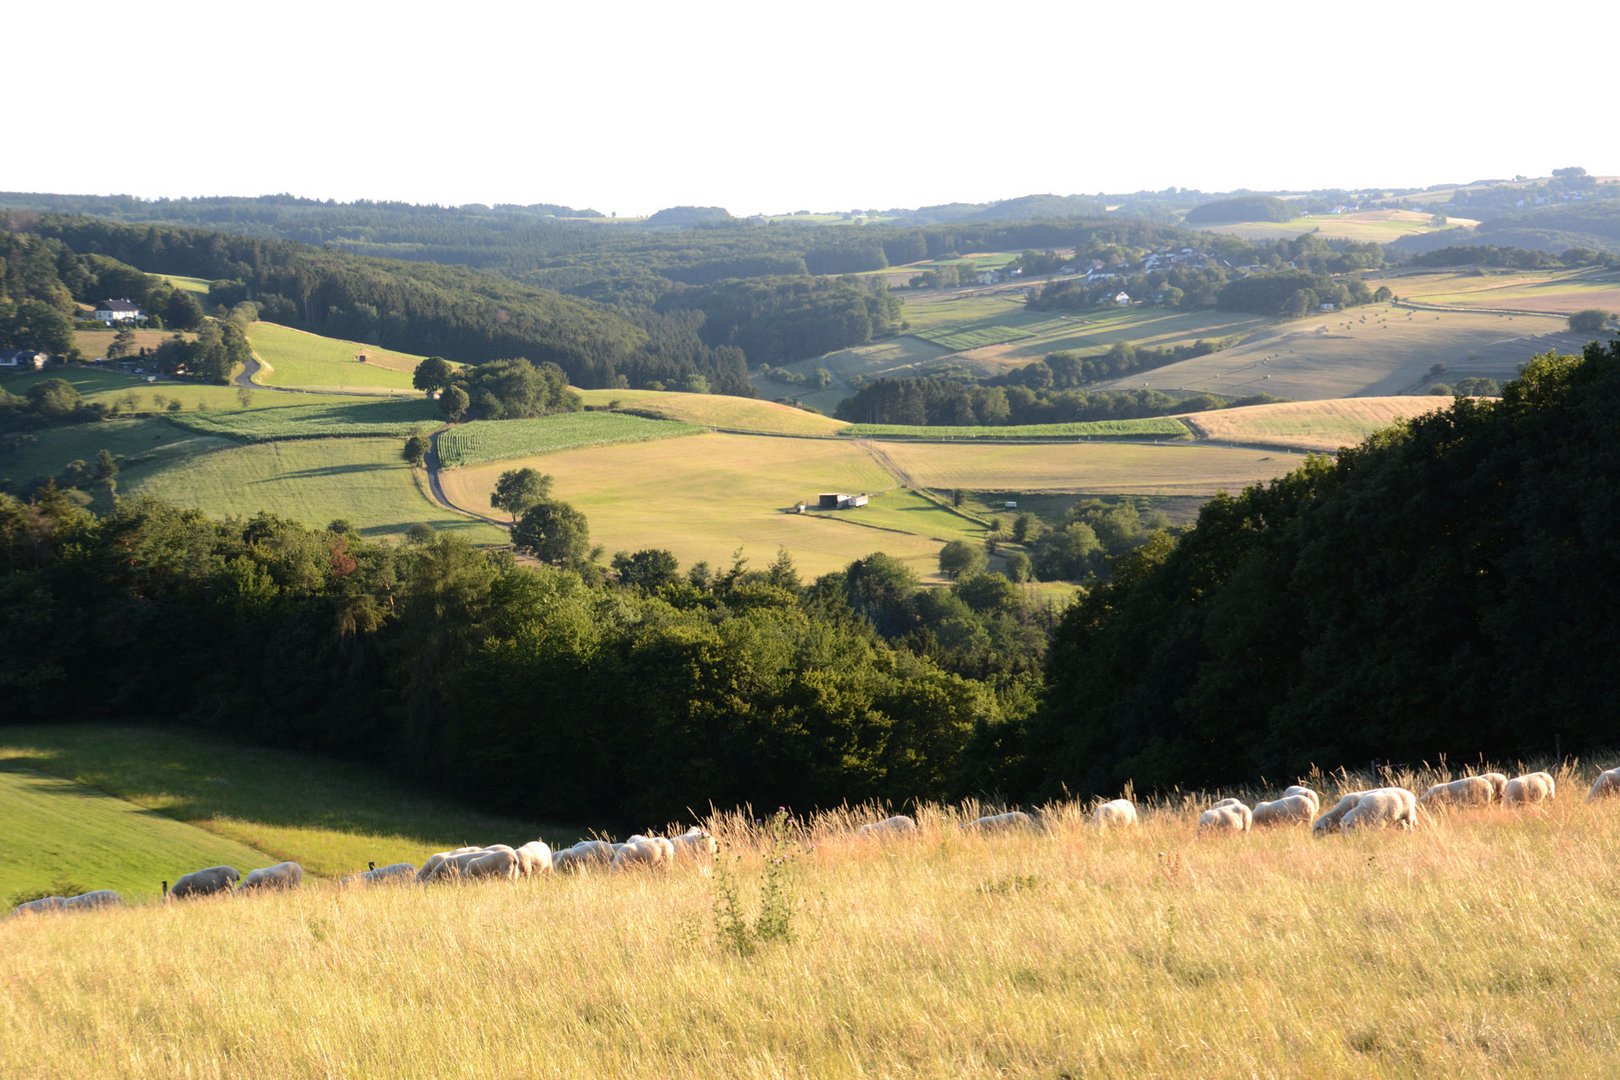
1479, 945
203, 800
299, 358
716, 411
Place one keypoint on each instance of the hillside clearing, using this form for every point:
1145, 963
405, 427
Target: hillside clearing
715, 411
300, 359
227, 799
1323, 426
708, 495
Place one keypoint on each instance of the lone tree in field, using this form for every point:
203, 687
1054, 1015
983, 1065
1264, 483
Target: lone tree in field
1589, 321
553, 532
960, 559
516, 490
416, 448
432, 374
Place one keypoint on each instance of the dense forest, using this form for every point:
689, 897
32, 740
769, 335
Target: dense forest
1444, 588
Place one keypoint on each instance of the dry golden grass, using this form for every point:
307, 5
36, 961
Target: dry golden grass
716, 411
1556, 292
1481, 944
1310, 425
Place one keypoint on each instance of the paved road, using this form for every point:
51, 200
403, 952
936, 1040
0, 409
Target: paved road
437, 490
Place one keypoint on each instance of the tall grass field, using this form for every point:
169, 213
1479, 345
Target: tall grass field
1480, 944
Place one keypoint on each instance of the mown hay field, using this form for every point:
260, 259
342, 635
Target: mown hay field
1148, 427
1376, 350
1481, 944
126, 806
1171, 468
1366, 226
1323, 426
704, 496
716, 411
1557, 292
301, 359
363, 481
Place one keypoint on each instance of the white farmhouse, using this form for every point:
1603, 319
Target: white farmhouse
117, 311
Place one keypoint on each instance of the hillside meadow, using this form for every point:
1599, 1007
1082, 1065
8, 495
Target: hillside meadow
1479, 944
1320, 426
1555, 292
297, 358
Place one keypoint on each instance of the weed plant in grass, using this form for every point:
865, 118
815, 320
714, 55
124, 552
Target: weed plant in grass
499, 440
1479, 944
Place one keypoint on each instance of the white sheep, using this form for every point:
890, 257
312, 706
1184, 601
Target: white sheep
283, 875
646, 852
214, 879
1298, 808
393, 873
89, 901
1466, 791
695, 843
1228, 815
1498, 785
1297, 789
1380, 808
1117, 813
1012, 819
1530, 788
436, 860
534, 858
40, 906
582, 856
1607, 783
1329, 822
898, 825
497, 861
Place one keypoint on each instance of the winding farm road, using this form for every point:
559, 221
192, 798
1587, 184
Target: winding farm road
436, 489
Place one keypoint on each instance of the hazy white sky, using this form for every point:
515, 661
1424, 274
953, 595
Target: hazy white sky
760, 107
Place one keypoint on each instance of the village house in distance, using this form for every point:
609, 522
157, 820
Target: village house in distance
118, 311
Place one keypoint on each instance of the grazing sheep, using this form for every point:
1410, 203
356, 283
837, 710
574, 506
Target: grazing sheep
1380, 808
1498, 784
1012, 819
1329, 822
1118, 813
40, 906
534, 858
1296, 789
1607, 783
649, 852
1228, 815
437, 859
283, 875
899, 825
379, 875
583, 856
89, 901
695, 843
1530, 788
215, 879
499, 861
1298, 808
1467, 791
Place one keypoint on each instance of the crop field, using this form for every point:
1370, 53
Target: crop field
1152, 427
1367, 226
1556, 292
1375, 350
1171, 468
716, 411
708, 495
93, 343
1322, 426
1094, 333
316, 417
301, 359
226, 800
315, 481
974, 335
499, 440
1059, 951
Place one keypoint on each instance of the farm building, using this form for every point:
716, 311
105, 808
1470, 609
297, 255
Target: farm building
837, 501
23, 358
116, 311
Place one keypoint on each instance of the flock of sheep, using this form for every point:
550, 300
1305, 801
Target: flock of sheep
1375, 808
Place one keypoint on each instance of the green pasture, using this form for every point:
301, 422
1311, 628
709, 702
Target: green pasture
196, 286
299, 359
1147, 427
316, 417
64, 838
1555, 292
973, 336
128, 805
715, 411
364, 481
904, 511
498, 440
143, 448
